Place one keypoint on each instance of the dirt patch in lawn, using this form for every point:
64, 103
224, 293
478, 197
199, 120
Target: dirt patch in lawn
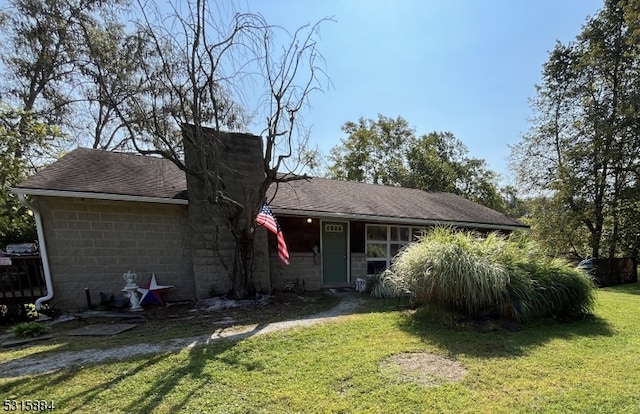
423, 368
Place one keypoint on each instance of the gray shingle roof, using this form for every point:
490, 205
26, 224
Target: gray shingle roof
359, 199
101, 172
94, 171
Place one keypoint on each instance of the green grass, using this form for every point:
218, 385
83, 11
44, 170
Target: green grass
587, 366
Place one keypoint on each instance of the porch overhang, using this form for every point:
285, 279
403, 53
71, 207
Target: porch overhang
393, 220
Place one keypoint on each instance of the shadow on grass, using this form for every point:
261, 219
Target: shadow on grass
71, 401
189, 378
498, 339
151, 383
144, 385
629, 288
88, 395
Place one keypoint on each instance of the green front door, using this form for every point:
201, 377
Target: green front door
334, 254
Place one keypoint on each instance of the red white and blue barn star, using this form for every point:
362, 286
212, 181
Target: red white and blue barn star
151, 291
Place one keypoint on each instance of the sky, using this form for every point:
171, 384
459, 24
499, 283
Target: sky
465, 66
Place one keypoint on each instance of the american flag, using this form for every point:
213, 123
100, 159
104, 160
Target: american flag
268, 220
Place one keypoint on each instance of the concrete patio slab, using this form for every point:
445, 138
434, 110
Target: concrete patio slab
102, 329
11, 340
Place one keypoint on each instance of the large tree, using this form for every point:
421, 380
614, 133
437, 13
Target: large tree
195, 79
582, 152
438, 161
150, 77
387, 151
373, 151
49, 69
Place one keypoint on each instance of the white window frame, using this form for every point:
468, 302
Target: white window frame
387, 242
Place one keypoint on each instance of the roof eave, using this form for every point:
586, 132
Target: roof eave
97, 196
276, 210
396, 220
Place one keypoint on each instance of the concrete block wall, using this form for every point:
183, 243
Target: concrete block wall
262, 262
304, 268
358, 266
212, 250
92, 243
212, 243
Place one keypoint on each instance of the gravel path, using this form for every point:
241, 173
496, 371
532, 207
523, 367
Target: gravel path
35, 365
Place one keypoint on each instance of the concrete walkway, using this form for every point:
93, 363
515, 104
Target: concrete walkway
53, 362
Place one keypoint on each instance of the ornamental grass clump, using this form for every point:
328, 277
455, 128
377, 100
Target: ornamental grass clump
541, 285
454, 269
559, 289
386, 285
508, 276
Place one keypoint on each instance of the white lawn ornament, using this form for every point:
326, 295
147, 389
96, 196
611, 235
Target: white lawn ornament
131, 290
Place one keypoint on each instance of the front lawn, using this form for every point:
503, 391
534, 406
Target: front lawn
588, 366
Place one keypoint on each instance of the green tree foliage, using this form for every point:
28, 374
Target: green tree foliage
54, 52
514, 205
387, 151
436, 162
43, 56
557, 227
582, 152
373, 152
22, 139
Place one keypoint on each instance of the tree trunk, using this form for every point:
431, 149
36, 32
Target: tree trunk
596, 238
243, 286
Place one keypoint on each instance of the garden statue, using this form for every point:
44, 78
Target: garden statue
131, 290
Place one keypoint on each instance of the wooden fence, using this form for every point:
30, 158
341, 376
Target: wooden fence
610, 272
21, 282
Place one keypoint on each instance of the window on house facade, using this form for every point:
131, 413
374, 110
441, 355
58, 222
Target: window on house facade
300, 235
384, 242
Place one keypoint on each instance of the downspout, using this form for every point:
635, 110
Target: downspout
43, 251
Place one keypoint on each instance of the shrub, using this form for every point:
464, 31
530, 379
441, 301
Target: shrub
17, 312
29, 329
513, 277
